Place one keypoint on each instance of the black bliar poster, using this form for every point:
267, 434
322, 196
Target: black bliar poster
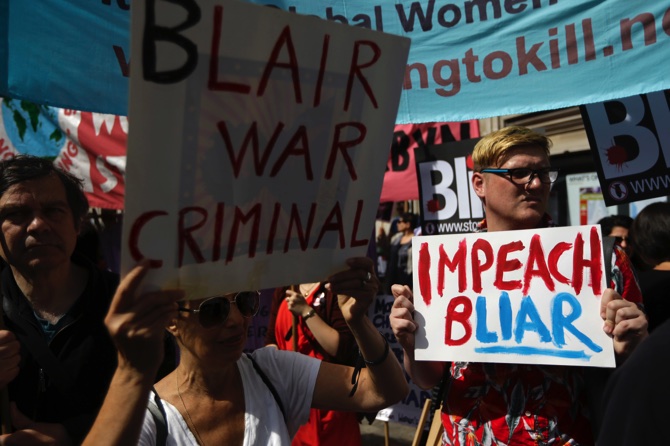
630, 143
448, 202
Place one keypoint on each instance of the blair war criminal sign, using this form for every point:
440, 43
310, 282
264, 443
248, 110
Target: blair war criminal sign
523, 297
255, 159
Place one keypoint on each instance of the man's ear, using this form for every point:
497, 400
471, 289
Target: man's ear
478, 184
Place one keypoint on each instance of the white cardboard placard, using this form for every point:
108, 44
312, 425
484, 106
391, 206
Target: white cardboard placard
257, 145
526, 297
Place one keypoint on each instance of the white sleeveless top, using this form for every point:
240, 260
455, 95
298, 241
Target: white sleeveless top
293, 375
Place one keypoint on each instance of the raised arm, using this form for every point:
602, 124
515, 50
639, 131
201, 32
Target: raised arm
382, 382
425, 374
326, 324
136, 324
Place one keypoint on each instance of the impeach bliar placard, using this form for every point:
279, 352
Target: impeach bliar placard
528, 297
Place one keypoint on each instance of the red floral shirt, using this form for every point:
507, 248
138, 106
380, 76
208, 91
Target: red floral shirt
521, 404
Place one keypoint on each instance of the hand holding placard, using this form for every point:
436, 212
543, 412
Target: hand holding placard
625, 322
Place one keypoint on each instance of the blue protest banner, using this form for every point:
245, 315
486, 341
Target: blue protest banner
66, 53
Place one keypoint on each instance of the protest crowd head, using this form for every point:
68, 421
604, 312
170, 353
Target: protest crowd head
650, 234
23, 168
512, 176
410, 218
616, 226
492, 149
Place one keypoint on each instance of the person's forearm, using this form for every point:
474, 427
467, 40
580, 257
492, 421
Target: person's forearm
120, 420
327, 337
384, 380
425, 374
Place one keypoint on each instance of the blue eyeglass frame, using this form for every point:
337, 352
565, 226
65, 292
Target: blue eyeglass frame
533, 173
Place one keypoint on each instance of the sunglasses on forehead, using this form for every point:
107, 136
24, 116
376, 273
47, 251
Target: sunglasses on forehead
215, 310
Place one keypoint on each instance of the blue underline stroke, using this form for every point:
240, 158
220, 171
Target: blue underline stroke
526, 351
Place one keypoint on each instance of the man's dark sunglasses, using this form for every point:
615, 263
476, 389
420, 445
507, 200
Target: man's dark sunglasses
618, 240
215, 310
523, 176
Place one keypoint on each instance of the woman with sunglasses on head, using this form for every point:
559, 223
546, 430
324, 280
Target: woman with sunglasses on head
216, 395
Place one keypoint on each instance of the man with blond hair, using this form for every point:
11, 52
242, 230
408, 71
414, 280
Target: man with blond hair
519, 404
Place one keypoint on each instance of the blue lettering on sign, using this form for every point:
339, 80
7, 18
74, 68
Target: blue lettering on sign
561, 322
505, 307
483, 334
528, 319
528, 351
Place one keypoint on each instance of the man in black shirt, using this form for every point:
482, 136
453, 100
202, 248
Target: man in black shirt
56, 357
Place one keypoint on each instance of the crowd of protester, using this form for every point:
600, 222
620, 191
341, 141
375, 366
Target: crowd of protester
86, 358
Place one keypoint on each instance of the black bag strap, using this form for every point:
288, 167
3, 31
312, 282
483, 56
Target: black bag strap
160, 418
268, 383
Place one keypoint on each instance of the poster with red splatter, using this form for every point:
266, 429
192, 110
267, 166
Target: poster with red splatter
448, 203
521, 297
630, 143
400, 182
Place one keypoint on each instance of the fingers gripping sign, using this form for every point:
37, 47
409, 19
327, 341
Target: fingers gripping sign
402, 316
625, 322
355, 287
615, 311
136, 322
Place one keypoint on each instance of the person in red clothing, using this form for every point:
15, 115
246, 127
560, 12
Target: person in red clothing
321, 332
520, 404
